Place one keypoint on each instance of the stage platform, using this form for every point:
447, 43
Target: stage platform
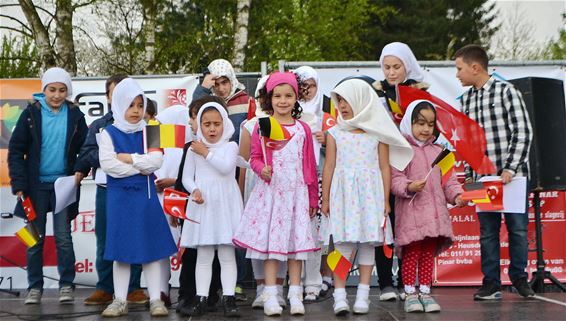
456, 303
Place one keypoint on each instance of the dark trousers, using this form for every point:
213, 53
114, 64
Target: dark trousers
384, 265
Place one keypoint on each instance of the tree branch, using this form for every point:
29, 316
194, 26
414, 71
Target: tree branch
84, 4
18, 21
17, 30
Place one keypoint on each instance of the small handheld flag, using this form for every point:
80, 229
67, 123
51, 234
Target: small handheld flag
387, 250
487, 196
329, 113
275, 135
175, 203
251, 108
28, 208
28, 235
445, 161
165, 136
339, 264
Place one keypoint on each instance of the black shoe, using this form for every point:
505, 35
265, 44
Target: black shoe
523, 287
180, 303
488, 291
211, 305
230, 308
196, 308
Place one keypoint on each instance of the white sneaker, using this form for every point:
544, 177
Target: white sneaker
341, 306
157, 308
66, 295
295, 300
270, 305
33, 297
361, 306
116, 309
388, 294
258, 302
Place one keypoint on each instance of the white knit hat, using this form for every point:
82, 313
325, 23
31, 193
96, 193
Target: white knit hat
57, 74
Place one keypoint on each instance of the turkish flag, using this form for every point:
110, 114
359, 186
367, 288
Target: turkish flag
495, 193
327, 121
463, 133
175, 203
251, 108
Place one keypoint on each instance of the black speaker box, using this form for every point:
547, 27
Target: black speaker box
544, 98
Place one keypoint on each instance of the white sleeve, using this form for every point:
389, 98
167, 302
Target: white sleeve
108, 161
224, 159
189, 172
147, 163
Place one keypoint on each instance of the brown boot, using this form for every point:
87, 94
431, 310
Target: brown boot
137, 297
99, 297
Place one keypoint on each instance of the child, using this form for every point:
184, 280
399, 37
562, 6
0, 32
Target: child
43, 147
500, 110
423, 228
137, 231
400, 68
247, 181
356, 181
312, 115
216, 204
89, 158
276, 222
187, 282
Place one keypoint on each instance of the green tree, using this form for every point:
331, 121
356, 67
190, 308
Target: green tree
433, 29
557, 48
19, 58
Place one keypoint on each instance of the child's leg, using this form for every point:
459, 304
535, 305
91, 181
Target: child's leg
165, 275
121, 278
270, 268
366, 258
341, 305
346, 249
270, 305
152, 272
228, 269
313, 278
426, 262
203, 270
411, 254
295, 294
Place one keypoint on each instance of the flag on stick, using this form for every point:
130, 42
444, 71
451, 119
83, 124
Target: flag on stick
329, 113
28, 208
165, 136
387, 250
28, 235
445, 161
467, 137
339, 264
175, 203
275, 136
251, 108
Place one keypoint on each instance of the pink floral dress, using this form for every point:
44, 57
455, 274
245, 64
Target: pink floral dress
276, 223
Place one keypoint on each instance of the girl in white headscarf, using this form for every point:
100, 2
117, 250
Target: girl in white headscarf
216, 203
137, 231
356, 181
399, 67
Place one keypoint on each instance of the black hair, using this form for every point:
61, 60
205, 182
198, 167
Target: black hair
151, 107
424, 105
267, 107
196, 104
115, 79
473, 53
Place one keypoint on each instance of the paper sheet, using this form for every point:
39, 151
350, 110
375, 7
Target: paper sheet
514, 194
65, 192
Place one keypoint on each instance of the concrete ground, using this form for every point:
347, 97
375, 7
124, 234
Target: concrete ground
456, 303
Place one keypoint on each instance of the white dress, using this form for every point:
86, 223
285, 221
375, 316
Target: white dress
356, 194
222, 209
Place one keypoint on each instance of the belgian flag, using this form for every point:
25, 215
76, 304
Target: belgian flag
165, 136
445, 161
28, 235
275, 135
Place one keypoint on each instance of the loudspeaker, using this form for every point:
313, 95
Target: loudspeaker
544, 98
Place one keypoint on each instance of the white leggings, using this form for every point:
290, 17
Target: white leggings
259, 272
152, 272
366, 252
228, 269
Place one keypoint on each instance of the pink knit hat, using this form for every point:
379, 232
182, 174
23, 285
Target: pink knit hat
279, 78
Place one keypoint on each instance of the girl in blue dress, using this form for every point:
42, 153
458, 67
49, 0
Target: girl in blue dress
137, 230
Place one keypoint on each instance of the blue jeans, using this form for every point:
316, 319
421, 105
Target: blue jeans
43, 199
490, 224
104, 267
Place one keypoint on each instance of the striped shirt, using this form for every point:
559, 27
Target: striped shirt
500, 110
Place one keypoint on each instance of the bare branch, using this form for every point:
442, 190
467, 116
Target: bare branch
18, 21
84, 4
18, 30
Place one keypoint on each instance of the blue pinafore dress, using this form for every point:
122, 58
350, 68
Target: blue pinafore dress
136, 229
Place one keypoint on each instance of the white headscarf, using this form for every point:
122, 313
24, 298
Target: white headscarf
223, 68
57, 74
406, 126
313, 106
176, 115
260, 84
403, 52
123, 95
227, 123
371, 117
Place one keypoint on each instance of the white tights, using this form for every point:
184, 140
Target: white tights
366, 252
121, 277
228, 269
